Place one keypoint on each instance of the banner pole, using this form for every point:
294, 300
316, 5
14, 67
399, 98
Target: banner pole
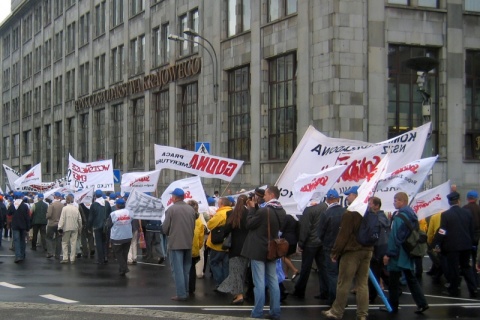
372, 278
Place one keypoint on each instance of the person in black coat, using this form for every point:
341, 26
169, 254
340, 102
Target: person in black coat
455, 239
3, 218
19, 212
290, 229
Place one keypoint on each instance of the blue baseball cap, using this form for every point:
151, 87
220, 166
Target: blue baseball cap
353, 189
178, 192
57, 194
120, 201
332, 194
40, 195
231, 199
472, 194
211, 201
126, 194
98, 193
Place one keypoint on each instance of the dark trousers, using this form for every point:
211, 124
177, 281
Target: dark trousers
100, 245
88, 244
308, 255
459, 263
54, 241
193, 275
415, 289
331, 271
378, 269
43, 230
121, 253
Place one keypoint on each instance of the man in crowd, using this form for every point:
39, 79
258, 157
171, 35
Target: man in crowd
179, 226
54, 239
474, 208
39, 221
99, 211
455, 238
120, 223
68, 225
256, 248
19, 212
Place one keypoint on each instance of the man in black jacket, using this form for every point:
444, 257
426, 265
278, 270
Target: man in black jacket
20, 225
474, 208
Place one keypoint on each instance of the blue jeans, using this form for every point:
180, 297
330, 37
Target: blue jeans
181, 262
219, 265
261, 271
331, 270
154, 242
19, 242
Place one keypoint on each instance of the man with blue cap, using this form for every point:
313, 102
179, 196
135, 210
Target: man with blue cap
99, 211
351, 194
120, 225
54, 239
20, 225
39, 222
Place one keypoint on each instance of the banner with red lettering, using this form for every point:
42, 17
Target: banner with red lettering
145, 207
199, 164
315, 186
409, 179
367, 188
42, 187
32, 176
317, 152
12, 175
98, 174
193, 189
431, 201
84, 196
141, 181
62, 190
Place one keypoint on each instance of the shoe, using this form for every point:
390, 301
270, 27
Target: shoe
92, 253
161, 260
176, 298
134, 262
49, 255
330, 315
130, 262
295, 275
79, 255
18, 260
72, 262
420, 310
237, 302
384, 309
64, 261
283, 296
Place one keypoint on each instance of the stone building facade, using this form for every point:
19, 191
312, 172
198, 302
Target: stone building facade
84, 77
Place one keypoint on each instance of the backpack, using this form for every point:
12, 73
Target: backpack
416, 242
369, 230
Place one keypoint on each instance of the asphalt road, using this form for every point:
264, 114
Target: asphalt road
41, 288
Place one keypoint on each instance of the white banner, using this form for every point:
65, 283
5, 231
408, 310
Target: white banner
431, 201
32, 176
84, 196
193, 189
12, 175
309, 186
145, 207
367, 188
140, 181
408, 179
98, 174
317, 152
199, 164
62, 190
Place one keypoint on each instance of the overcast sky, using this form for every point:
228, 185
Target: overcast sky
4, 9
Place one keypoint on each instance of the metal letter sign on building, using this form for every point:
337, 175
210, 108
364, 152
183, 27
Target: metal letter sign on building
202, 147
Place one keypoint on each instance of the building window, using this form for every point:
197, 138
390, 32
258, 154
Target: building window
27, 104
117, 15
84, 29
404, 2
16, 146
100, 134
6, 79
116, 66
188, 20
47, 95
16, 38
37, 146
117, 118
161, 103
37, 18
138, 130
6, 46
27, 28
189, 116
47, 11
15, 109
99, 72
404, 99
37, 99
58, 8
37, 62
70, 85
136, 6
137, 55
84, 79
6, 113
428, 3
69, 3
58, 53
15, 74
472, 99
27, 143
47, 131
58, 90
472, 5
70, 46
282, 107
70, 135
161, 48
100, 19
280, 8
83, 138
47, 53
58, 147
239, 114
6, 148
238, 16
27, 66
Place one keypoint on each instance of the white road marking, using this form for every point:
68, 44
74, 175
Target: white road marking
56, 298
9, 285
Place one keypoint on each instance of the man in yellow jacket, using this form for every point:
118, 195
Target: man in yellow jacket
218, 256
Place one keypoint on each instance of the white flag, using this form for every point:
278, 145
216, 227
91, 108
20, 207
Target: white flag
32, 176
98, 174
141, 181
408, 179
145, 207
84, 196
309, 186
62, 190
193, 189
12, 175
367, 188
431, 201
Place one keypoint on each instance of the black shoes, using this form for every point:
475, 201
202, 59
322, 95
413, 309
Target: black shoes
420, 310
394, 310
